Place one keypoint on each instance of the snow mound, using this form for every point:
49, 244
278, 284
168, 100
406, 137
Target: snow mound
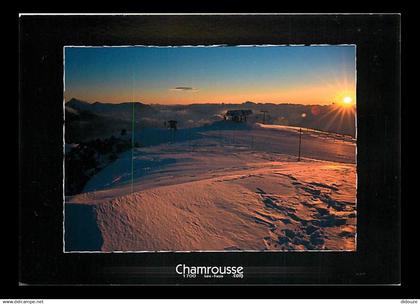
223, 189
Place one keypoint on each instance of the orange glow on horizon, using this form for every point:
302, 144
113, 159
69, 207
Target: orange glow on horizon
308, 95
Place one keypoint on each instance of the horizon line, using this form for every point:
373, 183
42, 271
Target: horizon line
198, 103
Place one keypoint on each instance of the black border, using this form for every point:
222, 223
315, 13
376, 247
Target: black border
377, 37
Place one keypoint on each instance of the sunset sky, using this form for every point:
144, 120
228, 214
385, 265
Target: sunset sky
184, 75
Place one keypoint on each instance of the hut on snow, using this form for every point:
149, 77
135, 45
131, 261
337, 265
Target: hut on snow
237, 115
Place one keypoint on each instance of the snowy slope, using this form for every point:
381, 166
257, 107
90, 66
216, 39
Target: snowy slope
222, 188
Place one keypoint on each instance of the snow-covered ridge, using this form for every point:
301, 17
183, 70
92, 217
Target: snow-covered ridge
224, 186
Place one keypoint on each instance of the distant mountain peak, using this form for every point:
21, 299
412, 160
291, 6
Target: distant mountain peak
76, 101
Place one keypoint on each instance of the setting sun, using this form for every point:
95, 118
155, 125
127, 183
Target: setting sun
347, 100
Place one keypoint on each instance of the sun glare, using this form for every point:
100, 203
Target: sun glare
342, 109
347, 100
